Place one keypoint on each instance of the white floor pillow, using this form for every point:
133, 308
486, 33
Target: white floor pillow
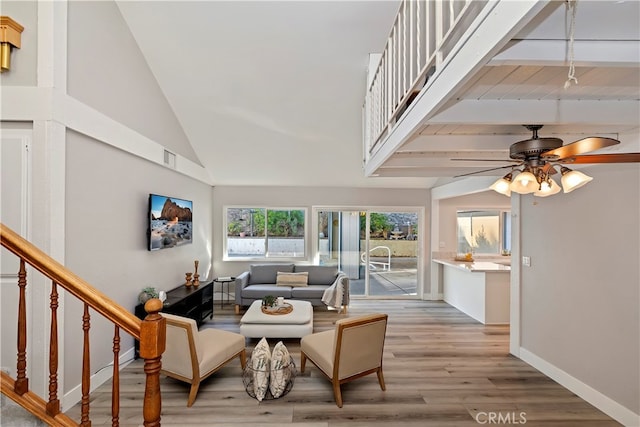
260, 363
280, 372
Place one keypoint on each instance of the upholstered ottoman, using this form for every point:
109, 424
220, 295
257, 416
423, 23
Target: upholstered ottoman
298, 323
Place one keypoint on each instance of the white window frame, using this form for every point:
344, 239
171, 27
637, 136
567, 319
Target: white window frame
502, 215
266, 256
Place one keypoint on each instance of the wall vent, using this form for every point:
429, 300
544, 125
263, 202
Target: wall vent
169, 159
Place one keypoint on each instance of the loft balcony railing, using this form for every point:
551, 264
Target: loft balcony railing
423, 36
150, 332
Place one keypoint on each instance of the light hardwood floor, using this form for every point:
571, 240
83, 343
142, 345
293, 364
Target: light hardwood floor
441, 368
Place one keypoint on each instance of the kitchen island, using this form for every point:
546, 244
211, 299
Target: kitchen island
479, 289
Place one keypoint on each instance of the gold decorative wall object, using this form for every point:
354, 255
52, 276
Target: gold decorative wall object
10, 35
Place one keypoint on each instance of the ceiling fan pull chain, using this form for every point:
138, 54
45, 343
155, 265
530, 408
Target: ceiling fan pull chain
571, 5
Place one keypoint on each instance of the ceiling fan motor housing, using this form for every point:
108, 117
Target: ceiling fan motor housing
532, 148
538, 155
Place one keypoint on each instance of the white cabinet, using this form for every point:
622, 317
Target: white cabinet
482, 293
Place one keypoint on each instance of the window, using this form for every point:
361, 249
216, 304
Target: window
484, 232
258, 232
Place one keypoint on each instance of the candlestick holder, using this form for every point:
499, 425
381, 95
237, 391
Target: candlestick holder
196, 276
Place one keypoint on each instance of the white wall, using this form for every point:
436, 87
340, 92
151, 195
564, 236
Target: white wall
107, 189
106, 224
579, 299
107, 71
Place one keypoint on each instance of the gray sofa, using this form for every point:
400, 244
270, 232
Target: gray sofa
260, 281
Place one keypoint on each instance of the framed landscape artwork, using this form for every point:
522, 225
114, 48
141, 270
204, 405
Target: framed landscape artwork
170, 222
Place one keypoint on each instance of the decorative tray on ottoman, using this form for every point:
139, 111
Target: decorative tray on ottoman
285, 308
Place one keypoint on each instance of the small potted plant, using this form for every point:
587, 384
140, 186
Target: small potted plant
269, 301
147, 294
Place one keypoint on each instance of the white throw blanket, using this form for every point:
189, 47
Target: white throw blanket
334, 295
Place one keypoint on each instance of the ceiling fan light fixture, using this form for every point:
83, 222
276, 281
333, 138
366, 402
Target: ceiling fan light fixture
572, 179
547, 188
537, 158
524, 183
502, 185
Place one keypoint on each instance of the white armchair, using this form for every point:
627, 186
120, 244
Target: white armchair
350, 351
192, 355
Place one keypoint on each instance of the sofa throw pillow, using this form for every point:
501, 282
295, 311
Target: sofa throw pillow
280, 370
292, 279
261, 363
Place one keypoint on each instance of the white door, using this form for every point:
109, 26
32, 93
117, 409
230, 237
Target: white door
14, 213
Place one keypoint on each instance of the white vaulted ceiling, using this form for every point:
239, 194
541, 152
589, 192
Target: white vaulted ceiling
271, 93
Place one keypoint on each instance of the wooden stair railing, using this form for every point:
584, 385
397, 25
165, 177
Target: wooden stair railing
151, 332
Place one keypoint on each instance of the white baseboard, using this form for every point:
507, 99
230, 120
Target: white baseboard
103, 375
586, 392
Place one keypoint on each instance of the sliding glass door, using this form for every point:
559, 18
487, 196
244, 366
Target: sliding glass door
392, 256
338, 240
378, 250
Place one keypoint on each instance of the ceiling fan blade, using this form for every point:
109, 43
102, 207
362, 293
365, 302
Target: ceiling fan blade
484, 170
604, 158
580, 146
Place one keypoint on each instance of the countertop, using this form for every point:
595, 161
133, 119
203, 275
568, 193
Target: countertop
478, 266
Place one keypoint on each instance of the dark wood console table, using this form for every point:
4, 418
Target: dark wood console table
195, 303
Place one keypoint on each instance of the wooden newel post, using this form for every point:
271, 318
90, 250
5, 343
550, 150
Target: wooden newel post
153, 339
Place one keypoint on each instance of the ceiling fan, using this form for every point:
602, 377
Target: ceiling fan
535, 160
